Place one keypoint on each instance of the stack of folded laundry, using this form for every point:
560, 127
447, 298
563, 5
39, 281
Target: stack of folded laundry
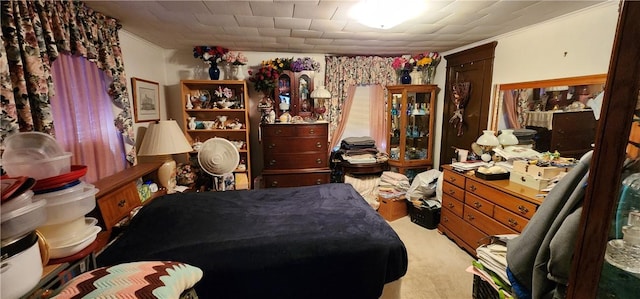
394, 182
350, 143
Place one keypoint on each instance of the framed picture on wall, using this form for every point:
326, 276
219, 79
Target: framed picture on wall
146, 100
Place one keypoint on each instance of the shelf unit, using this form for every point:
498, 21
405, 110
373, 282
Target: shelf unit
199, 101
410, 127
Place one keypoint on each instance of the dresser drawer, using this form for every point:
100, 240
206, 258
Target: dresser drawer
471, 236
296, 179
485, 223
452, 205
117, 205
510, 219
507, 201
454, 178
295, 145
479, 204
296, 161
313, 130
278, 130
453, 191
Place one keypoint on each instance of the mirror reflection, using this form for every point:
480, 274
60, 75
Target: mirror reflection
561, 113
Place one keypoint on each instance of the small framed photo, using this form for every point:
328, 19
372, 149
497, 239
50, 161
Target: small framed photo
146, 100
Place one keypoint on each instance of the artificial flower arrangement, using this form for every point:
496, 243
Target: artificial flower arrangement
223, 93
279, 64
265, 79
427, 59
235, 58
209, 53
305, 64
402, 63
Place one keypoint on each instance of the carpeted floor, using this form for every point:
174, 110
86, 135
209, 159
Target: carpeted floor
436, 264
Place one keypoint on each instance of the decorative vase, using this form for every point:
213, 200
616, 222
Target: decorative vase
238, 72
228, 74
429, 74
416, 76
189, 103
192, 123
214, 71
405, 78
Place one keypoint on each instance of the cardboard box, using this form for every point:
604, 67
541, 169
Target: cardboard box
536, 171
537, 183
392, 208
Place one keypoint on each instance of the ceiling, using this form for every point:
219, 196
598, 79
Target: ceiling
320, 26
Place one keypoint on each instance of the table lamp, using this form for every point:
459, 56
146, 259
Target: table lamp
319, 95
488, 141
164, 139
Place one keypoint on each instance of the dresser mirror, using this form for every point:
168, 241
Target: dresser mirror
561, 111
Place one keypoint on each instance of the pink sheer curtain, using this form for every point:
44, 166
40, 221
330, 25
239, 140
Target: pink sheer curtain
510, 109
83, 115
337, 134
377, 116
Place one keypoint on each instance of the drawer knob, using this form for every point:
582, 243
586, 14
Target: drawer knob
272, 145
318, 182
450, 205
470, 217
319, 161
452, 192
318, 144
513, 222
272, 162
278, 132
274, 184
523, 209
477, 205
473, 188
452, 179
121, 203
445, 219
312, 131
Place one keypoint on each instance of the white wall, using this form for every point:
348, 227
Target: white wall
143, 60
538, 52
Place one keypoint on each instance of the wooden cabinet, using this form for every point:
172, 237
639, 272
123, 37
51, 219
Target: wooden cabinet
118, 195
410, 119
474, 209
205, 115
295, 154
294, 89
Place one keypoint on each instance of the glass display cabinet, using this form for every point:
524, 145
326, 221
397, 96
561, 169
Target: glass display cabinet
410, 127
293, 94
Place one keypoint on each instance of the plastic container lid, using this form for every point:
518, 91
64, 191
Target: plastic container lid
17, 202
79, 236
88, 192
58, 234
77, 188
28, 146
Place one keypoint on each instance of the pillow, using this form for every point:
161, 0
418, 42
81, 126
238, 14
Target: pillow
134, 280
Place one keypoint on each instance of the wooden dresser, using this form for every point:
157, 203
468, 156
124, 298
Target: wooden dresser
474, 209
295, 154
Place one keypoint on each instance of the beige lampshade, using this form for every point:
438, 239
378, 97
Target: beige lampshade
164, 138
320, 93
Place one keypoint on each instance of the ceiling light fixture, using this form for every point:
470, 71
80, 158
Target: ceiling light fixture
386, 14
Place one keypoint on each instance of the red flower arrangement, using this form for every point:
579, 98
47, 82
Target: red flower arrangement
209, 53
265, 79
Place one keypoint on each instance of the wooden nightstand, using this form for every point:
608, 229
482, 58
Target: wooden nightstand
118, 196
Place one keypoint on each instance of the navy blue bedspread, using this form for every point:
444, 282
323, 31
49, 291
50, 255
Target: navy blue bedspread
307, 242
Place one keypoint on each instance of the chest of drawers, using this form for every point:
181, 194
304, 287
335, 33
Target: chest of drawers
474, 209
295, 154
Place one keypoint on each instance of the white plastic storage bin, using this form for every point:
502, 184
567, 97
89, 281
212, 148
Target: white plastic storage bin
72, 207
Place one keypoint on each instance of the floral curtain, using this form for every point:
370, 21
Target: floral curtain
33, 35
342, 72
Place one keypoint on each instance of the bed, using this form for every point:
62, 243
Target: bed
320, 241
